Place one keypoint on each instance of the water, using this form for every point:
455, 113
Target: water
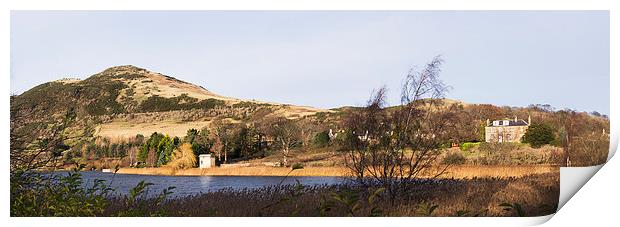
189, 185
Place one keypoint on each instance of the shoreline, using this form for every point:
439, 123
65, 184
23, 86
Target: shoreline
459, 172
238, 171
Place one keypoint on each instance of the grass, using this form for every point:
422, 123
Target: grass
471, 171
122, 130
505, 154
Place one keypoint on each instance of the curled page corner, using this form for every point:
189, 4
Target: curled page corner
572, 179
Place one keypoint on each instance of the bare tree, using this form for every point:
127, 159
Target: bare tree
285, 133
393, 147
308, 129
591, 149
583, 140
36, 144
132, 154
223, 133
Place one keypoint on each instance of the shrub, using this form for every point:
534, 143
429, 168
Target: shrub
347, 141
36, 194
468, 146
321, 139
454, 158
247, 104
183, 102
499, 147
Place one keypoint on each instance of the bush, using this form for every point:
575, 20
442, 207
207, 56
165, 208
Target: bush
183, 102
347, 141
468, 146
499, 147
35, 194
538, 135
455, 158
321, 139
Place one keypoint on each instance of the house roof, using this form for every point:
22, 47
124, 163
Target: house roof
511, 123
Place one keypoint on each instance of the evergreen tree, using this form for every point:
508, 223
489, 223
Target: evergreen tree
538, 135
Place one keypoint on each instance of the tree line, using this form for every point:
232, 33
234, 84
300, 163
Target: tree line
228, 141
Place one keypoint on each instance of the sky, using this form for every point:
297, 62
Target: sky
329, 59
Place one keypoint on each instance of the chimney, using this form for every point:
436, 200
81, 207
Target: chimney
529, 120
488, 122
515, 118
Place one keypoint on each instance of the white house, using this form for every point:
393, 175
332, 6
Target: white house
206, 161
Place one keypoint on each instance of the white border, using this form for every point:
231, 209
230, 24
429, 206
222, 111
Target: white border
300, 5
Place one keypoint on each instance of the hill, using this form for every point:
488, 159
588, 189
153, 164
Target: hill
123, 101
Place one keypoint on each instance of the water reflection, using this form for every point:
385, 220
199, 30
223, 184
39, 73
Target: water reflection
205, 181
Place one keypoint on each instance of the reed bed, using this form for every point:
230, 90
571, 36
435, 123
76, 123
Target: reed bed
536, 195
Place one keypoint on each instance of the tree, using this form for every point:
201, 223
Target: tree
308, 130
223, 133
538, 134
285, 133
577, 134
150, 146
259, 140
200, 141
396, 146
346, 140
37, 147
132, 154
241, 144
190, 136
151, 158
165, 148
321, 139
183, 157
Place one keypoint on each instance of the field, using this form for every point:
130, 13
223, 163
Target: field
176, 123
124, 130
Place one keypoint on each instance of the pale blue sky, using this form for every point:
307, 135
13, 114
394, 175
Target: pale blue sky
329, 58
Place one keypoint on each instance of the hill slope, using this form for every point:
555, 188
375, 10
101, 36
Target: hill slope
123, 101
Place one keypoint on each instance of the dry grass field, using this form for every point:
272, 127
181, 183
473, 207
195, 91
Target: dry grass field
123, 129
472, 171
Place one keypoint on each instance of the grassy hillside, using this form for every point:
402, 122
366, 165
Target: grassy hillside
118, 94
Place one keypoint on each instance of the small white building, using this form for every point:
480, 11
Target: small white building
206, 161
